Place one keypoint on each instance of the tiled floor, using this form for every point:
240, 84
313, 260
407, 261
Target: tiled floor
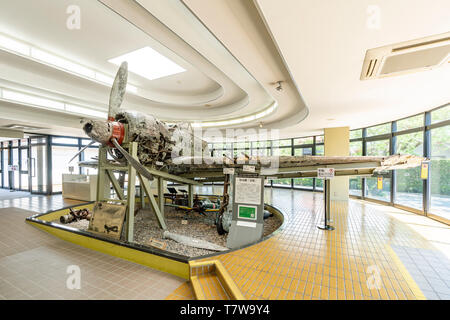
363, 258
36, 265
375, 252
33, 202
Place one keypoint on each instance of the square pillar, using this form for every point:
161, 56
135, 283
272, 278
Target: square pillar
337, 143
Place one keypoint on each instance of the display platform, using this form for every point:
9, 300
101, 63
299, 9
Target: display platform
147, 255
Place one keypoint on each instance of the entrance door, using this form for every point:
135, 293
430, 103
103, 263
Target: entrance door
38, 165
24, 169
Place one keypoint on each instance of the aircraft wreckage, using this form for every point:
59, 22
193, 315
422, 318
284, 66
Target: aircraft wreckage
145, 147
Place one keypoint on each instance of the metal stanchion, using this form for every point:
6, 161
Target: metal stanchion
327, 205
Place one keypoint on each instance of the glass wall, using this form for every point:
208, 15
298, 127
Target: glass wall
425, 134
5, 163
440, 169
60, 164
39, 165
402, 187
378, 148
409, 186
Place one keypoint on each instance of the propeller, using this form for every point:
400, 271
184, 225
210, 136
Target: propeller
118, 90
103, 130
135, 163
84, 148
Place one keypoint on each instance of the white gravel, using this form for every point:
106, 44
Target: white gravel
197, 226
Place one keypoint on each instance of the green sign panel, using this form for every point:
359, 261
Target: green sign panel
247, 212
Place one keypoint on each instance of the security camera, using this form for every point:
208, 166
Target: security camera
279, 87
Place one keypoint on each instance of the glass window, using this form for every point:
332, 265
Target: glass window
87, 141
281, 143
409, 184
356, 148
38, 140
90, 154
286, 182
261, 144
410, 123
242, 145
38, 165
355, 186
60, 164
378, 148
380, 129
15, 174
304, 183
319, 184
440, 172
60, 140
260, 152
319, 139
320, 150
15, 143
282, 151
307, 140
440, 114
23, 142
303, 151
5, 168
373, 192
355, 134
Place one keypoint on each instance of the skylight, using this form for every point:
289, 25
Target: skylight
148, 63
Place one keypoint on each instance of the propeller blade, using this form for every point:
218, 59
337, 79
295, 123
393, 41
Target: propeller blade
84, 148
118, 90
136, 164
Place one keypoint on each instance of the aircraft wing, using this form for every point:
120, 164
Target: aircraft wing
212, 168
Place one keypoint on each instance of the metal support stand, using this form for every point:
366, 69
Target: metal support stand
327, 205
142, 196
161, 200
106, 178
131, 194
191, 196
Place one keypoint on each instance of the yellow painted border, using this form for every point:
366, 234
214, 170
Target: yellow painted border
224, 277
171, 266
408, 278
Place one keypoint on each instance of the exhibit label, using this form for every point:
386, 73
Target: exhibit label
248, 190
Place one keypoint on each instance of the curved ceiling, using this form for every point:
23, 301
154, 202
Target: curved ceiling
233, 51
216, 86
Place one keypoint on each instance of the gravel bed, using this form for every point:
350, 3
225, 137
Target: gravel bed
198, 226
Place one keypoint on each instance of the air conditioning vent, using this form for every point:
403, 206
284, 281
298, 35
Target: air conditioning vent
371, 67
410, 56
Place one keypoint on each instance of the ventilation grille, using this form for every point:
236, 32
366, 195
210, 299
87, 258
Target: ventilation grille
406, 57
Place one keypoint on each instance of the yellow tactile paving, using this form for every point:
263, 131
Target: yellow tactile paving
304, 262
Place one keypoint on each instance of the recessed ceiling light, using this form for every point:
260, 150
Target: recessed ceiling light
148, 63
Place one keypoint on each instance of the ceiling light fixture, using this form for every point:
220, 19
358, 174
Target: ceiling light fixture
33, 100
47, 103
148, 63
197, 124
14, 46
53, 60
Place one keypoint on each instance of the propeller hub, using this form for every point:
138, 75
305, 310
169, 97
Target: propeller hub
103, 131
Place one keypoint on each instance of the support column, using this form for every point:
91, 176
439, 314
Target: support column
337, 143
